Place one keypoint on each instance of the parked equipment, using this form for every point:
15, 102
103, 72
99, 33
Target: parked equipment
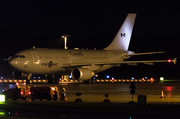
16, 91
44, 93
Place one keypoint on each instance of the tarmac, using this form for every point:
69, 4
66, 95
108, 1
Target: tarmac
93, 106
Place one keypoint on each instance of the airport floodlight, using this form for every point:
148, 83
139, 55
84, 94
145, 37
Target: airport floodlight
65, 40
161, 78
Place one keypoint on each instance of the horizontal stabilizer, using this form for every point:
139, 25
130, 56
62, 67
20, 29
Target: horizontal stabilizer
146, 53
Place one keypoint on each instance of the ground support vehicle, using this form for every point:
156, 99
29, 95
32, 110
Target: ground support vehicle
16, 91
41, 93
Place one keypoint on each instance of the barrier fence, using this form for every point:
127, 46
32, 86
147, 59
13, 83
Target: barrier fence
78, 81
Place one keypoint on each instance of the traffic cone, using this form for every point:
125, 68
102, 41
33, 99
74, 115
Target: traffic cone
162, 95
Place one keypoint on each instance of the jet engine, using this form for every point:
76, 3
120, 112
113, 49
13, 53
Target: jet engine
17, 74
82, 74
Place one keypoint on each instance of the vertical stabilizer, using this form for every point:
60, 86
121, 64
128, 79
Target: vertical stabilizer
122, 38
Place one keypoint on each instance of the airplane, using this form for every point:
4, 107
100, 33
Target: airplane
81, 64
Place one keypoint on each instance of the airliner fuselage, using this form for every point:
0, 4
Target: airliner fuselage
58, 61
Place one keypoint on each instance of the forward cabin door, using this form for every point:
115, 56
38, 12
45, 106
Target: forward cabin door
35, 57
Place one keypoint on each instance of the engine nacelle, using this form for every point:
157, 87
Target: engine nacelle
82, 74
18, 75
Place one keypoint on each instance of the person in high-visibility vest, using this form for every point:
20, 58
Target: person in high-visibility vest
63, 93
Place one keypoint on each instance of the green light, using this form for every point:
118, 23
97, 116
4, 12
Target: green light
161, 78
1, 113
2, 98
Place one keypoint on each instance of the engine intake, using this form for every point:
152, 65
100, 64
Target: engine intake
82, 74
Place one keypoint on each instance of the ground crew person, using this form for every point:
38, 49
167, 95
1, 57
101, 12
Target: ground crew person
55, 95
63, 92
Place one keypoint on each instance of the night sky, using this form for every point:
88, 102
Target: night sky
24, 24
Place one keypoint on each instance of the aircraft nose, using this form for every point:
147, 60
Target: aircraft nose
13, 62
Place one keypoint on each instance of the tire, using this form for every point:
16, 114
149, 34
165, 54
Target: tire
14, 97
86, 82
24, 98
90, 81
49, 81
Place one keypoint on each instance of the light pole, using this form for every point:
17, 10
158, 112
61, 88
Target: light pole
65, 40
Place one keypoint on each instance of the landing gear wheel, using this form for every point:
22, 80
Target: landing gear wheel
27, 81
57, 81
86, 82
49, 81
90, 81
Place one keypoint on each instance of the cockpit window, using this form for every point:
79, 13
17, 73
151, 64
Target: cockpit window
20, 56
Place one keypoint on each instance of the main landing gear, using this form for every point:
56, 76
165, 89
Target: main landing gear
53, 80
90, 81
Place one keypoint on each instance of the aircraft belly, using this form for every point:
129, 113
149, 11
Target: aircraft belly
104, 67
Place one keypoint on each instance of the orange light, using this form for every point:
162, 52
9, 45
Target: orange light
169, 60
29, 92
21, 93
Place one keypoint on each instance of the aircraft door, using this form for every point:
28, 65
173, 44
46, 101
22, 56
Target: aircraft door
35, 57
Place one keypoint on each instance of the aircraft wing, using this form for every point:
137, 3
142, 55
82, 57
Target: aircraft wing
150, 62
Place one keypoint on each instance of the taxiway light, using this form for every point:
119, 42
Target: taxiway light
70, 76
132, 77
161, 78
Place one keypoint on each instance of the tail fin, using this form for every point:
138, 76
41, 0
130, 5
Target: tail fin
122, 38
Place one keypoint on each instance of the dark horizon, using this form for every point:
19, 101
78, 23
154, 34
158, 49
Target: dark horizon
41, 24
